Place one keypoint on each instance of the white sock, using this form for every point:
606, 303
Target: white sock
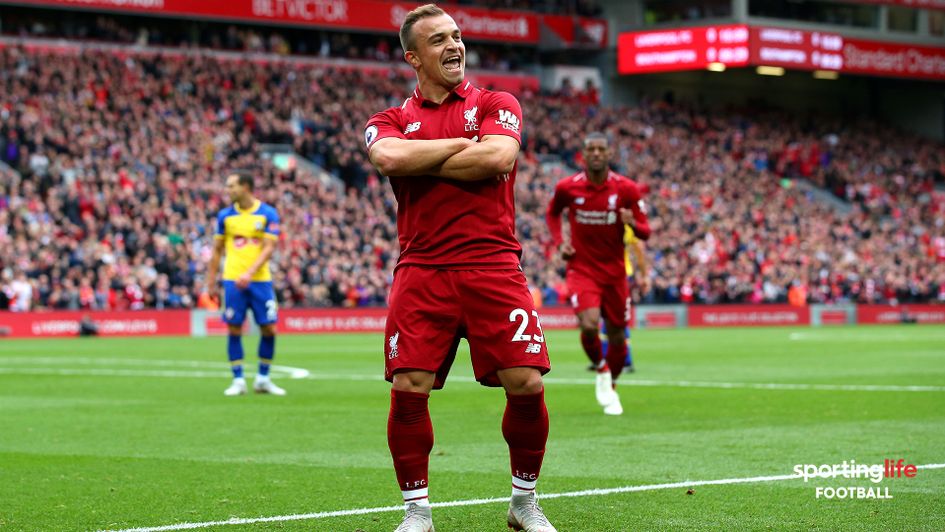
419, 497
523, 487
239, 380
262, 378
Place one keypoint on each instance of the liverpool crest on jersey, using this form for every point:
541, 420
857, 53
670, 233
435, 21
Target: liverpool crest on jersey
471, 120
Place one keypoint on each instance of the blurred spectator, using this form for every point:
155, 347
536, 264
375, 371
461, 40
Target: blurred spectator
21, 294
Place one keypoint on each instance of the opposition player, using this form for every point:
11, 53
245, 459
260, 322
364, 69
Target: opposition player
246, 232
599, 203
450, 152
636, 249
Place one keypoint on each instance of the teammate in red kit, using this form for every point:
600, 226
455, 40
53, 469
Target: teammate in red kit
599, 202
450, 152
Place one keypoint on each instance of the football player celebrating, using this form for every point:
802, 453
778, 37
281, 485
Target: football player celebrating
450, 152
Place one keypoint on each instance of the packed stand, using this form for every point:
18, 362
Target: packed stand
728, 228
122, 161
202, 34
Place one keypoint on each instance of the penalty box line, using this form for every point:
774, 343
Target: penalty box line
476, 502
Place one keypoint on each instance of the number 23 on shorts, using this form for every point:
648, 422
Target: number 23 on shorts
535, 340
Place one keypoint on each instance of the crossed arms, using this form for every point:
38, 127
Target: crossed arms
460, 159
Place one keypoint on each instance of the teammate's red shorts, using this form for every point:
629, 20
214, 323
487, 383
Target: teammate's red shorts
612, 298
431, 309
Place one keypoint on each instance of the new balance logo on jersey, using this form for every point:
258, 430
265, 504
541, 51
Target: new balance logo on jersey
508, 120
392, 344
533, 348
411, 127
579, 201
471, 121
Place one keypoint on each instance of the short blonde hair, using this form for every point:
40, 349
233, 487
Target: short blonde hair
406, 29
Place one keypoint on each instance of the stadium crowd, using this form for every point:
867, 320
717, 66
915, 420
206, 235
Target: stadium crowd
202, 34
116, 166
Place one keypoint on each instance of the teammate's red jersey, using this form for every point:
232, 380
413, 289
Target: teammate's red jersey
445, 223
596, 226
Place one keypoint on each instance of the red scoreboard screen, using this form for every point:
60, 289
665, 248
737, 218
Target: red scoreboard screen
739, 45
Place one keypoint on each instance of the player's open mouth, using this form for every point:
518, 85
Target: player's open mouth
452, 63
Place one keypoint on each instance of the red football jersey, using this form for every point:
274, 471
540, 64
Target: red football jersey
596, 227
445, 223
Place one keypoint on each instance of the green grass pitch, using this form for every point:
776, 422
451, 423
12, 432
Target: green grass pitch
120, 433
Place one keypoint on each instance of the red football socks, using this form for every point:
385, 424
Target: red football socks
525, 427
410, 438
616, 356
592, 346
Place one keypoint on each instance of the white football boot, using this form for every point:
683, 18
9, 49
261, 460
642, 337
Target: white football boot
525, 515
265, 385
614, 408
417, 519
238, 387
604, 387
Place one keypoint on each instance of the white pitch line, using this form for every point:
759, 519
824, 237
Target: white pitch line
788, 386
95, 361
115, 372
292, 373
683, 384
476, 502
295, 373
302, 373
848, 336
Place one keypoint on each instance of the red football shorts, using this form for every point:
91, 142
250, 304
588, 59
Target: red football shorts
612, 298
431, 309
